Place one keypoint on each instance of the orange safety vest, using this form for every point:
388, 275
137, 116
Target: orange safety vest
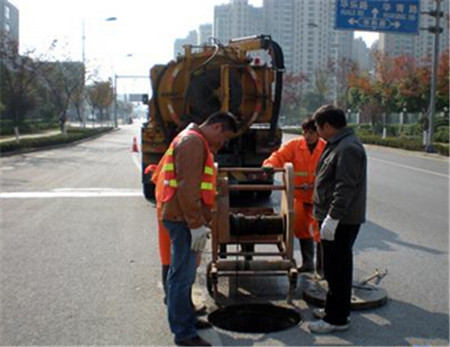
165, 178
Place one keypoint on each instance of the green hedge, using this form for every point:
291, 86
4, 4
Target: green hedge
28, 127
404, 142
73, 134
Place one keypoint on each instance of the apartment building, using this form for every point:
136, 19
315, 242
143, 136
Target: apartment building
305, 31
190, 39
422, 45
237, 19
205, 32
9, 20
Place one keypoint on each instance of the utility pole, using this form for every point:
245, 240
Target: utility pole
436, 30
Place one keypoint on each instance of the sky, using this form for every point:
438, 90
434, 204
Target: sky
141, 36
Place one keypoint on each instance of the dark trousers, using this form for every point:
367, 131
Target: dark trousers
338, 270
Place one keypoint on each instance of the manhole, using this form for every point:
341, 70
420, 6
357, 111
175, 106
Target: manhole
254, 318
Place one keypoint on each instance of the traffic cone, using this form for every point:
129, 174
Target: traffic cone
135, 145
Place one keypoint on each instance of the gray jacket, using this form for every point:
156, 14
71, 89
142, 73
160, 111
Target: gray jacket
341, 180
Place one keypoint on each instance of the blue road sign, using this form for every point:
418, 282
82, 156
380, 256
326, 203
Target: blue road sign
392, 16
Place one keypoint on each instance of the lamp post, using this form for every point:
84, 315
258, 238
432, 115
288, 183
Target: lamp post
436, 30
83, 47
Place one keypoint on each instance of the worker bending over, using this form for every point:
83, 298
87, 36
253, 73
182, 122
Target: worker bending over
187, 187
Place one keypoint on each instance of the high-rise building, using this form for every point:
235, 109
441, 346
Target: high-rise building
237, 19
360, 54
422, 45
190, 39
279, 23
204, 33
9, 20
305, 31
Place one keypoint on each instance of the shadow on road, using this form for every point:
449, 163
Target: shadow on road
373, 236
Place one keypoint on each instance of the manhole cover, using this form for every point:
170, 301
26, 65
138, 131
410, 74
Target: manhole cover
363, 296
254, 318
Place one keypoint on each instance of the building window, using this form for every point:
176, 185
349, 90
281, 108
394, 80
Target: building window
7, 27
7, 12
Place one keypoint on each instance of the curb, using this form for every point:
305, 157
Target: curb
61, 145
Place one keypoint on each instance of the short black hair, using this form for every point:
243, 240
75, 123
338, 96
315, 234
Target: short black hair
228, 121
308, 124
330, 114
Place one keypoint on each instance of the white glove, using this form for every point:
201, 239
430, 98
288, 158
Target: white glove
199, 237
328, 228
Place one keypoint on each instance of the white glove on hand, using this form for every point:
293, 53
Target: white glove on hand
328, 228
199, 237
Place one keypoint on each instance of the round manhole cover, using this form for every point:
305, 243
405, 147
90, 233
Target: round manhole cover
363, 296
254, 318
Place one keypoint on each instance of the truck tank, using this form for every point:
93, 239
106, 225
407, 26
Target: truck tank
243, 77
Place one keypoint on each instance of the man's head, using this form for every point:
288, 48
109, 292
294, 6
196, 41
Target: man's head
310, 131
218, 128
329, 121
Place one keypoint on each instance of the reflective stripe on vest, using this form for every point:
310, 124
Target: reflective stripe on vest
301, 173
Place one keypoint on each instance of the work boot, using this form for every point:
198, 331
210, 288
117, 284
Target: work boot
201, 324
307, 251
164, 273
193, 341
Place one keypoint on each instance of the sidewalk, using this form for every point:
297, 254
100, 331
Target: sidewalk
47, 133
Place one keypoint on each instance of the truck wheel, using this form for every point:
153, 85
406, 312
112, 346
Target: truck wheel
149, 191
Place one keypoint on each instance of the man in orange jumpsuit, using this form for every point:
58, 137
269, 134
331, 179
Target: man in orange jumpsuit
304, 153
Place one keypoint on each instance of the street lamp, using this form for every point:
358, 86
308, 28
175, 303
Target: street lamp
436, 30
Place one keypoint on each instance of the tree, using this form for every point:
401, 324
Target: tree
19, 74
342, 69
100, 96
293, 85
64, 80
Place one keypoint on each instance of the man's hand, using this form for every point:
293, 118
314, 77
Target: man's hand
328, 228
199, 237
268, 169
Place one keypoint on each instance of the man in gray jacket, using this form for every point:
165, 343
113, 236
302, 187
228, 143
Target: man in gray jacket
340, 207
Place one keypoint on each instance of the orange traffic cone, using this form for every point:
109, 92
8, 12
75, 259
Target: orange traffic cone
135, 145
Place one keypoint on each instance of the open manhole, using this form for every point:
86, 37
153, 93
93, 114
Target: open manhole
254, 318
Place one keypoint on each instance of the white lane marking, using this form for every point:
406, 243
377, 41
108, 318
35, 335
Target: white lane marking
409, 167
136, 159
73, 193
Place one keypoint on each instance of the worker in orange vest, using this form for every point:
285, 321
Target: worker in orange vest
163, 233
304, 153
186, 188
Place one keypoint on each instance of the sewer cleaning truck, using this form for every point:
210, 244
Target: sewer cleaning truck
243, 77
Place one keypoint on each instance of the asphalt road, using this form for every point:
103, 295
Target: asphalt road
80, 263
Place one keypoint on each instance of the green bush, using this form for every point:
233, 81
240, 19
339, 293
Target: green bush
28, 127
73, 134
441, 134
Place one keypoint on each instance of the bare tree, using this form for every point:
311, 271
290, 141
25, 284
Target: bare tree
65, 81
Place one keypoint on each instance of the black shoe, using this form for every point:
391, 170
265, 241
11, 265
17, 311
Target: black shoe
201, 324
305, 269
199, 310
193, 341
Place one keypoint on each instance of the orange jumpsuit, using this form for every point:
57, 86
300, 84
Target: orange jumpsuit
296, 151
